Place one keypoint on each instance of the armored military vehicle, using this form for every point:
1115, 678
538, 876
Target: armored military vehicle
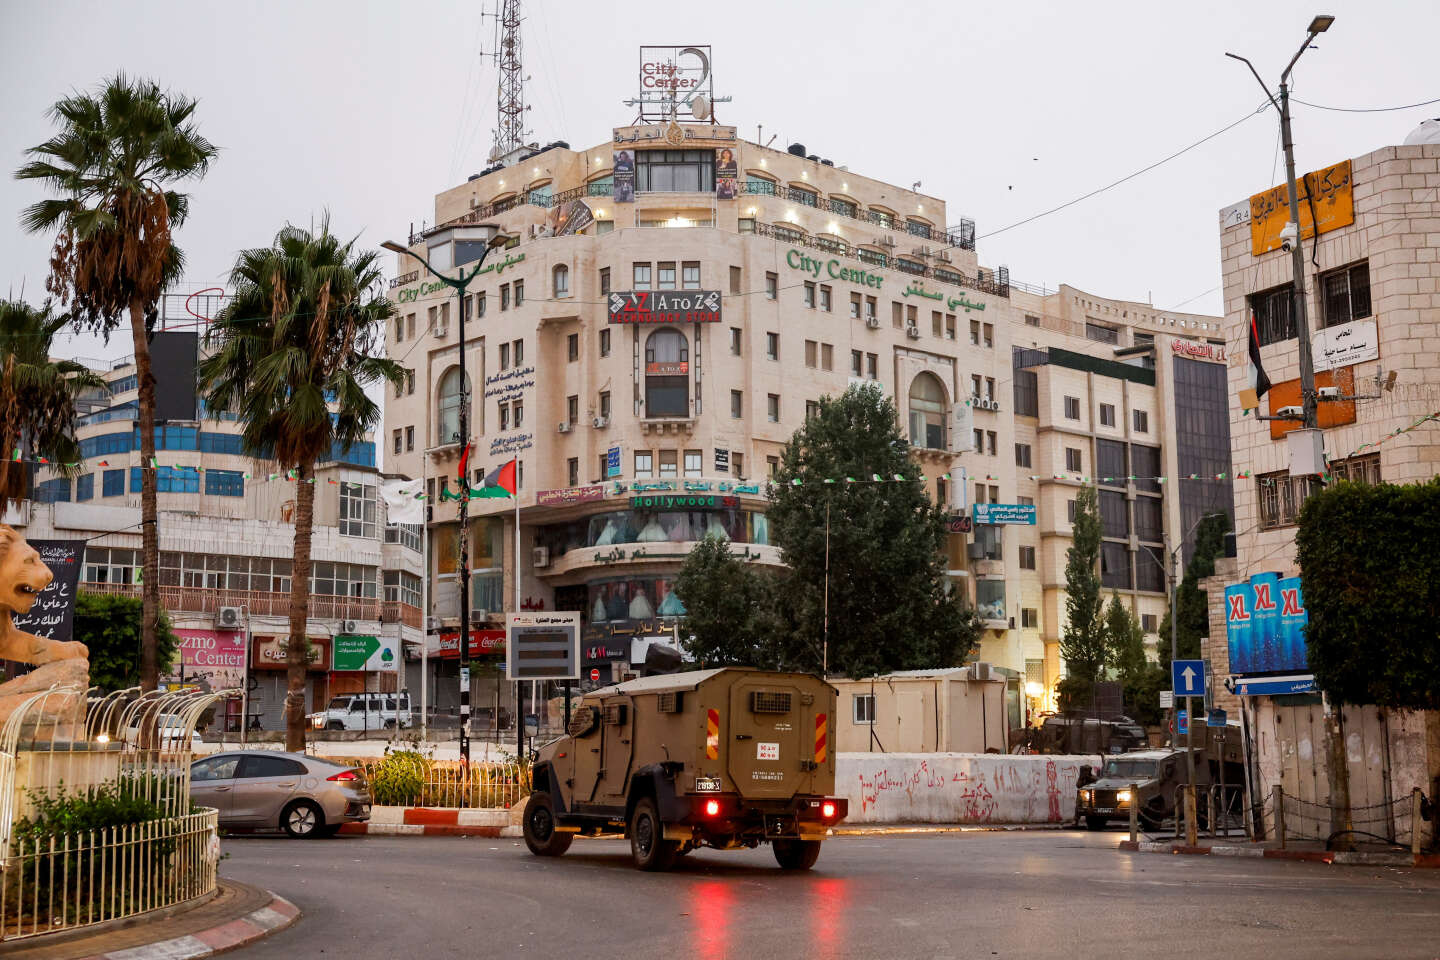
726, 758
1150, 780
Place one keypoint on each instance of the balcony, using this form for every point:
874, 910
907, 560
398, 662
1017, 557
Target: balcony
261, 603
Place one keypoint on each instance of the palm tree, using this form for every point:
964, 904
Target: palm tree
37, 396
111, 164
291, 356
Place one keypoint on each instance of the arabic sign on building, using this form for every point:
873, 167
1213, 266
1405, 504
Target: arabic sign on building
612, 462
350, 653
542, 646
1331, 193
670, 80
1004, 513
1265, 623
52, 615
665, 306
1198, 350
210, 659
270, 653
1344, 344
570, 495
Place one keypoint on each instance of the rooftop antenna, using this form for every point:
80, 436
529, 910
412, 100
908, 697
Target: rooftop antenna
510, 93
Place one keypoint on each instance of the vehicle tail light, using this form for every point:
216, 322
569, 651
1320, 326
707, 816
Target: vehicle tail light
827, 809
345, 775
712, 808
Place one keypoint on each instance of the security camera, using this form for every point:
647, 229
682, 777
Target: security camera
1296, 412
1329, 393
1289, 236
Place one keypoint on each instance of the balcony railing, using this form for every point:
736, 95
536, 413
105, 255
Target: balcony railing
268, 604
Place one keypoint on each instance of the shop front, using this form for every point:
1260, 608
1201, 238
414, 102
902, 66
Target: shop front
491, 698
268, 679
211, 661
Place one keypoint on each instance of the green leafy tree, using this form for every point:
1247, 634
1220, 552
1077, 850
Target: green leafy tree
1192, 605
1370, 571
1140, 680
890, 604
112, 166
37, 396
291, 357
728, 609
1084, 641
109, 625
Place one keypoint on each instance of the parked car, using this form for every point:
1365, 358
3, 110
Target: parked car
172, 730
364, 711
265, 790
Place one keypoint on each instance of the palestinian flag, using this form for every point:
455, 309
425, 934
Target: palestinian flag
499, 482
462, 472
1259, 382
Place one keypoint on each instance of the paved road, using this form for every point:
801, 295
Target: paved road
1031, 895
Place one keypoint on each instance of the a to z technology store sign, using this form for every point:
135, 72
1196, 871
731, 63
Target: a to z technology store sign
664, 306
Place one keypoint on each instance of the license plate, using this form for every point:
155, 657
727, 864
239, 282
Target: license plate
707, 784
1104, 809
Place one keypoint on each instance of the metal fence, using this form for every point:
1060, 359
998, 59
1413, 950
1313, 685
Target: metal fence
59, 881
412, 780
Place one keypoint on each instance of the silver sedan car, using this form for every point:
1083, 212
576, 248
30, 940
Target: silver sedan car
265, 790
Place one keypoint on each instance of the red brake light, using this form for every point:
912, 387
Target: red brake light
712, 808
827, 809
345, 775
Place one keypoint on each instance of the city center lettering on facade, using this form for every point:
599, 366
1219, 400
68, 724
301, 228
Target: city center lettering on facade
796, 260
684, 503
427, 287
664, 306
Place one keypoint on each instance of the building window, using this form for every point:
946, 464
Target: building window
1072, 408
605, 342
862, 708
809, 294
827, 357
1149, 623
1025, 501
1100, 333
825, 298
572, 347
357, 509
675, 171
504, 409
975, 333
1281, 497
1115, 565
604, 281
667, 374
225, 483
927, 412
396, 441
693, 461
112, 484
561, 279
1346, 294
644, 465
1030, 620
979, 441
871, 366
605, 405
1364, 469
1274, 314
1027, 393
989, 334
409, 439
1022, 455
1107, 414
640, 276
1072, 459
772, 407
856, 358
812, 409
855, 306
772, 346
736, 278
572, 409
409, 382
869, 308
990, 445
519, 345
737, 463
772, 286
1031, 320
504, 299
85, 487
735, 341
504, 356
450, 398
1070, 510
1110, 463
517, 412
1027, 558
1142, 421
669, 466
666, 276
690, 276
572, 471
810, 351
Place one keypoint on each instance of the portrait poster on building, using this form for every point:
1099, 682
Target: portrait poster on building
727, 173
53, 614
570, 218
624, 176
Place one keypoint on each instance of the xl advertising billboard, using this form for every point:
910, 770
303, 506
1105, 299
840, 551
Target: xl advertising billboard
1265, 623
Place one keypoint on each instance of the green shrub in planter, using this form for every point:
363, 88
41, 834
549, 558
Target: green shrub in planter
399, 779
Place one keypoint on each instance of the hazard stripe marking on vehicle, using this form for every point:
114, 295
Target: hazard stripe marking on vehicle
712, 735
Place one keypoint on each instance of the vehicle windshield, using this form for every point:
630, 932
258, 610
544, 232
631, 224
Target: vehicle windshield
1141, 769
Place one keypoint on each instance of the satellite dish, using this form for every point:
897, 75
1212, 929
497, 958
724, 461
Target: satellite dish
700, 107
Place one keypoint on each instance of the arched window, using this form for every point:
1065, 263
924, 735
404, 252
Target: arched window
667, 374
927, 412
561, 276
449, 406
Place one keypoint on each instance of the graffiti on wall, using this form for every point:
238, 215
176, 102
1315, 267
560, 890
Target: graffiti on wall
958, 788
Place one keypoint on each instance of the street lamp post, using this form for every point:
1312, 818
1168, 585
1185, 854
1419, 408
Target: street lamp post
1308, 397
490, 236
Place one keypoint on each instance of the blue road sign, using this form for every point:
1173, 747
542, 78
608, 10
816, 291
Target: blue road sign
1215, 718
1182, 722
1187, 677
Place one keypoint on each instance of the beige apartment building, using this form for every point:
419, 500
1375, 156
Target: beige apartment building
638, 431
1372, 295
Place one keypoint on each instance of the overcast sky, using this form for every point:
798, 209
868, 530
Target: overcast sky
1002, 110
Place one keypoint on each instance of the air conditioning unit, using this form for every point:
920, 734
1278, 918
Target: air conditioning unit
228, 618
481, 617
540, 557
873, 323
975, 551
347, 626
563, 427
980, 670
985, 403
442, 330
432, 624
600, 423
913, 333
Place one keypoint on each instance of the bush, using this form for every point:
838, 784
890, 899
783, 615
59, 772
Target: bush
398, 779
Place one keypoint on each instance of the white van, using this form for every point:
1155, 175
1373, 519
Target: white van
364, 711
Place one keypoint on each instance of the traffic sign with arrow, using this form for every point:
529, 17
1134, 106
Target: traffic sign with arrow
1187, 677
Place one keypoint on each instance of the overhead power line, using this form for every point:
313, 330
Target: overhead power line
1408, 106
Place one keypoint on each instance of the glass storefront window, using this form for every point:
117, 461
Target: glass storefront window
633, 598
637, 526
990, 599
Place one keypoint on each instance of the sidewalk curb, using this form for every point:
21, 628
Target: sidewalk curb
1340, 857
275, 916
427, 830
885, 830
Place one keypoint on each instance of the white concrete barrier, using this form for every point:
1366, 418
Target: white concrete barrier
964, 788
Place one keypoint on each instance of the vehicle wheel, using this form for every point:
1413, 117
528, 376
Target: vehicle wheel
1151, 820
647, 838
302, 820
1095, 823
389, 724
796, 854
540, 834
334, 725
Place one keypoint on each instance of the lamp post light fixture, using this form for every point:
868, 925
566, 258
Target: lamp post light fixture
444, 248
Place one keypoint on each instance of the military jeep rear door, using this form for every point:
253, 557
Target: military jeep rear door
770, 727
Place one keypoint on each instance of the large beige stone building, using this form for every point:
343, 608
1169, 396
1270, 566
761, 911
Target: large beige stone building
823, 277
